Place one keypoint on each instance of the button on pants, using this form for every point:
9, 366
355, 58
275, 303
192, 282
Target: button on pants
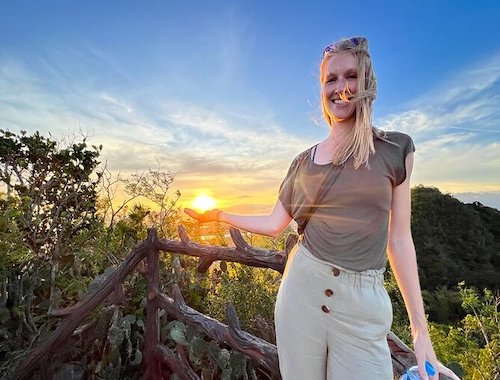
332, 323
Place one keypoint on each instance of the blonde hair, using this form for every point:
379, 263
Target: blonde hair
359, 141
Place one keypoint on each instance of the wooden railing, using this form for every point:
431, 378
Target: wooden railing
154, 353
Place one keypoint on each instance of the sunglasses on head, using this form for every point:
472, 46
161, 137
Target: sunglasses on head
356, 41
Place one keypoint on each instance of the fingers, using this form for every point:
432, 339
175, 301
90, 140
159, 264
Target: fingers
207, 216
421, 370
427, 370
448, 372
430, 370
191, 213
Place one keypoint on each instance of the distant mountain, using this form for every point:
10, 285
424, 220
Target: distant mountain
488, 198
455, 241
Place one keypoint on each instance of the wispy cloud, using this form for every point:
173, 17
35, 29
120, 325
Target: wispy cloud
471, 96
469, 83
456, 128
231, 37
202, 147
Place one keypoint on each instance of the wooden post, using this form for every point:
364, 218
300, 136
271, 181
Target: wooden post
152, 335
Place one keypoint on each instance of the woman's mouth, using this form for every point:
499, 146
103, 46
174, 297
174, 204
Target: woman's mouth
341, 101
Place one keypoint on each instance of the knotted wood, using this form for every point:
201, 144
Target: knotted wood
242, 252
75, 315
230, 335
177, 361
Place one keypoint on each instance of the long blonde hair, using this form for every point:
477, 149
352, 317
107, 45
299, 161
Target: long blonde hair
359, 140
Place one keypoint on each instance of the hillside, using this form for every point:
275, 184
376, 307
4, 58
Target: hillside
455, 241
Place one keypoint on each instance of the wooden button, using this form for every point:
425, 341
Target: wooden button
329, 292
335, 271
325, 309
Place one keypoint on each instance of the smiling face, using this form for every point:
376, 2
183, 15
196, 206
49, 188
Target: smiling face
339, 81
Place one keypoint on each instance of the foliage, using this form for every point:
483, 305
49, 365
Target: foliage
252, 292
443, 305
207, 358
152, 187
60, 242
474, 345
53, 186
48, 204
16, 253
455, 241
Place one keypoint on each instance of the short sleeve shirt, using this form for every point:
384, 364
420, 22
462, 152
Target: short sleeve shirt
350, 226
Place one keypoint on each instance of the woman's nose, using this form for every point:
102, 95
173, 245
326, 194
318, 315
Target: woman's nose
340, 85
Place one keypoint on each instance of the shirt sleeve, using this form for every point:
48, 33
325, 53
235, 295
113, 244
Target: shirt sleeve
286, 187
407, 147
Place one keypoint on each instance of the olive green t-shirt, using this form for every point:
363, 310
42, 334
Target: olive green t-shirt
350, 226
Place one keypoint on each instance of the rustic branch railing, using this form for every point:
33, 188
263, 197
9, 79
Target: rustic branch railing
155, 353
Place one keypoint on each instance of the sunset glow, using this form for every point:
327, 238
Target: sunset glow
229, 128
203, 203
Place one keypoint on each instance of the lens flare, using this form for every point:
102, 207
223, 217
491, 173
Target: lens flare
203, 203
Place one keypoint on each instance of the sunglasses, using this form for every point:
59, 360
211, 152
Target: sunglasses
356, 41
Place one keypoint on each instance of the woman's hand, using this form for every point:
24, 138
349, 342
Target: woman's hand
424, 352
207, 216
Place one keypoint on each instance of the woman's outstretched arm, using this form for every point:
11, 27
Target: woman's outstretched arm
270, 225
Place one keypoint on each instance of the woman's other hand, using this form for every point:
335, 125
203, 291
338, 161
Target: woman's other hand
207, 216
425, 352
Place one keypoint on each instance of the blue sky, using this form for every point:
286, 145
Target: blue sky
225, 93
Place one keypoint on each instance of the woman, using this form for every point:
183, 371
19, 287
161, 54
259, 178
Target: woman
332, 312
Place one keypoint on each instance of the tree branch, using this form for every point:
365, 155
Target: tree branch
177, 361
231, 335
264, 352
80, 311
241, 253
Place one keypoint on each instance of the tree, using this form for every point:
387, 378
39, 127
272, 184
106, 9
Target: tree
455, 241
48, 205
55, 187
473, 345
152, 186
484, 325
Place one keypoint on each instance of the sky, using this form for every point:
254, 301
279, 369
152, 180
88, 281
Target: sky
224, 94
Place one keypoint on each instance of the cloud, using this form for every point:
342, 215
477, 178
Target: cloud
200, 146
230, 43
469, 83
469, 96
118, 104
456, 128
243, 135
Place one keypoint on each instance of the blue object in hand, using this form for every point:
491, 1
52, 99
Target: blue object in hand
412, 373
429, 369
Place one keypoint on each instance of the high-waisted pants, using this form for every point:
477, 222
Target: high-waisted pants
332, 323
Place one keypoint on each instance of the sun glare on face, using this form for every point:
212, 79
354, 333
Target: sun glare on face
203, 203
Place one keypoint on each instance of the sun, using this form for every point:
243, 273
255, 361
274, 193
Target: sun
203, 203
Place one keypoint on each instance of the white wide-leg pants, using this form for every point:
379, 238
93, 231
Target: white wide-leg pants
332, 323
